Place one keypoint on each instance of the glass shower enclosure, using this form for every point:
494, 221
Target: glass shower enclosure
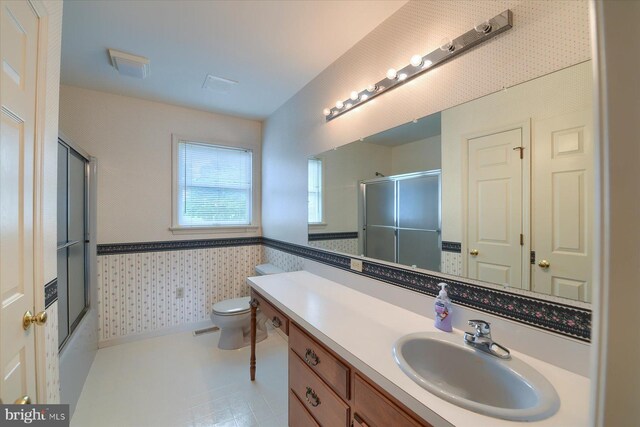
73, 240
400, 219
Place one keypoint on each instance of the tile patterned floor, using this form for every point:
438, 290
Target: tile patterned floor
185, 381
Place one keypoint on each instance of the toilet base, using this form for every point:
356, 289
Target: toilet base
233, 339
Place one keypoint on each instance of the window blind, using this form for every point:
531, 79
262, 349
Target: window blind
315, 191
214, 185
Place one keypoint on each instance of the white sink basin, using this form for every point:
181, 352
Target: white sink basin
459, 373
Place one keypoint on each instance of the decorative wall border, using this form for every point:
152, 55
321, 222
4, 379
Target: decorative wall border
175, 245
552, 316
333, 236
50, 293
452, 247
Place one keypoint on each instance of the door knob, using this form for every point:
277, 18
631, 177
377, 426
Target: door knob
544, 264
24, 400
38, 319
474, 252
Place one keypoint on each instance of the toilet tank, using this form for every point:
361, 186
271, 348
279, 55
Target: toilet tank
264, 269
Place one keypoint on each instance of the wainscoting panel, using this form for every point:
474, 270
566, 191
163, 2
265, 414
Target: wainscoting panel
345, 246
451, 263
286, 261
51, 354
139, 292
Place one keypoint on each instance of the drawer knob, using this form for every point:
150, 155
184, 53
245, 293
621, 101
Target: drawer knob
276, 322
312, 397
311, 358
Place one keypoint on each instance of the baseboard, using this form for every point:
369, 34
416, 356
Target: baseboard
187, 327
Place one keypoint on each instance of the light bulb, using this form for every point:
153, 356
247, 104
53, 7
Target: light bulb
326, 112
427, 64
364, 97
392, 74
339, 105
483, 27
402, 76
354, 95
416, 60
372, 88
446, 45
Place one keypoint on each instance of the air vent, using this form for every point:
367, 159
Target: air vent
218, 84
129, 65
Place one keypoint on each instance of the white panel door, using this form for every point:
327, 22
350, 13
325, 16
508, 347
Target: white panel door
18, 53
562, 205
494, 208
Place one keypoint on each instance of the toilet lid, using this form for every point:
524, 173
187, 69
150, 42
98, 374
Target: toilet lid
232, 306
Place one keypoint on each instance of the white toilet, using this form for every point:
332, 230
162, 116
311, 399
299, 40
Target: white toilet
233, 317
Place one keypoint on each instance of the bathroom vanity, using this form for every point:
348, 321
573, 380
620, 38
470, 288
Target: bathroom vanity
342, 370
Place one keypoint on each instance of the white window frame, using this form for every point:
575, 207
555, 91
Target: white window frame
175, 227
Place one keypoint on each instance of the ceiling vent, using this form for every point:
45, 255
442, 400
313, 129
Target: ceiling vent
218, 84
129, 65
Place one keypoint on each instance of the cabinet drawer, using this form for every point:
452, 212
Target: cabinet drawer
298, 415
276, 318
323, 363
371, 408
321, 402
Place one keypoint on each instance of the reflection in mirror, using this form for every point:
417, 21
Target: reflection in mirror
498, 189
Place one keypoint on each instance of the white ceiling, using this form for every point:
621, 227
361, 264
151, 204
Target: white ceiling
272, 48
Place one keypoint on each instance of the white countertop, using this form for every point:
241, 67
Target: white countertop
363, 329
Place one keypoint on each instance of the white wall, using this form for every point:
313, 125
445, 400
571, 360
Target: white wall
559, 93
616, 349
546, 36
349, 164
343, 168
132, 140
416, 156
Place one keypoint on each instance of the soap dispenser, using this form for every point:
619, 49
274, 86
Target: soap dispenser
443, 309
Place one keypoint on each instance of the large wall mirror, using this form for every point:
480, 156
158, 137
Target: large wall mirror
499, 189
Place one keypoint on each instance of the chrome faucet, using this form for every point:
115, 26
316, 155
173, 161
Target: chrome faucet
481, 340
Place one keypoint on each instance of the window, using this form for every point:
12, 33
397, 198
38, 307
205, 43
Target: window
213, 185
315, 191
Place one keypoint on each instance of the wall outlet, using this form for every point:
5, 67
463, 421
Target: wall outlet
356, 264
180, 293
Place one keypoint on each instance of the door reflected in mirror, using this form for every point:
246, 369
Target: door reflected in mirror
499, 189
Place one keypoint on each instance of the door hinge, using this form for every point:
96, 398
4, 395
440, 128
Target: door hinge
521, 151
522, 240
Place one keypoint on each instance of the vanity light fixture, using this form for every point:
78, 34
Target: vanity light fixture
449, 49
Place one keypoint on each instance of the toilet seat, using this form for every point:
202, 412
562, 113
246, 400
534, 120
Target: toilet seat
232, 307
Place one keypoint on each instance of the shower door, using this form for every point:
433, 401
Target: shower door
72, 240
380, 220
401, 219
419, 221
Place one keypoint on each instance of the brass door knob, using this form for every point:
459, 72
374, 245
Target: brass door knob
38, 319
24, 400
474, 252
544, 264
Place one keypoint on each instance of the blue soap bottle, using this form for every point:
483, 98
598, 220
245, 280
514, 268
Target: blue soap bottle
443, 309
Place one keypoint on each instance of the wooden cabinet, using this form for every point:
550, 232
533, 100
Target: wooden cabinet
372, 408
298, 415
322, 362
325, 390
320, 401
274, 316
